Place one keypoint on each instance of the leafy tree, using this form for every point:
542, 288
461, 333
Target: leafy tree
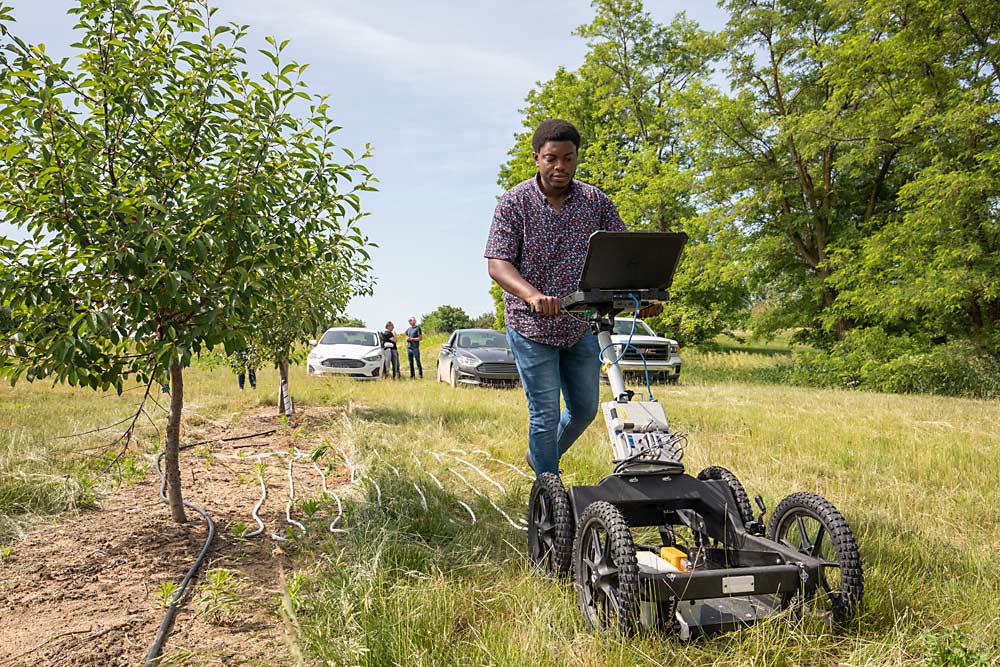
931, 264
166, 192
485, 321
630, 100
496, 293
804, 164
346, 322
445, 319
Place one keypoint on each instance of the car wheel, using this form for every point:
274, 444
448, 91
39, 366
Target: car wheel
454, 377
439, 378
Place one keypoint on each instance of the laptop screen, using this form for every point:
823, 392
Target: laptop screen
631, 260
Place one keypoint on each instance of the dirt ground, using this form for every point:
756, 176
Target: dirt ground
90, 589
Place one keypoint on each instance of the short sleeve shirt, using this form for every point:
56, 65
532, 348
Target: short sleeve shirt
413, 332
548, 248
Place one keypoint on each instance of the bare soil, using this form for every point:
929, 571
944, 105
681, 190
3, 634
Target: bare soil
89, 590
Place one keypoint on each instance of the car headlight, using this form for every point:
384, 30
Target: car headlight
374, 356
315, 355
466, 360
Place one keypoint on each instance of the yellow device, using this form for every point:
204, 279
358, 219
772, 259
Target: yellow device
675, 557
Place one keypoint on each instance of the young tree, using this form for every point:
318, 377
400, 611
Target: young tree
306, 306
166, 192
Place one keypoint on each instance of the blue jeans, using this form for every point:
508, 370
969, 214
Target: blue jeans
545, 370
411, 354
241, 378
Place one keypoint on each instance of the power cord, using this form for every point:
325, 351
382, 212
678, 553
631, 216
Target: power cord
628, 344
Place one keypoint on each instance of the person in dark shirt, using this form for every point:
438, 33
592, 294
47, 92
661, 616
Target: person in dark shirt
413, 337
536, 249
392, 354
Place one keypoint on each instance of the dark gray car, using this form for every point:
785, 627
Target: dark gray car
477, 356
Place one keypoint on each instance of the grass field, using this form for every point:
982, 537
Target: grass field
915, 476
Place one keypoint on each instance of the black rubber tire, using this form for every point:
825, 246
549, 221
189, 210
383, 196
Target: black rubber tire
742, 500
605, 570
833, 542
453, 377
550, 526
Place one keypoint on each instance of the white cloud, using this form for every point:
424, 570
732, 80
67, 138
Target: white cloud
447, 62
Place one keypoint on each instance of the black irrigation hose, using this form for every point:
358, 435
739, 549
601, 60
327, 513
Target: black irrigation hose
168, 619
232, 439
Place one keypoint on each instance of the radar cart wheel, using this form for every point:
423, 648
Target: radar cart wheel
606, 570
742, 501
813, 526
550, 526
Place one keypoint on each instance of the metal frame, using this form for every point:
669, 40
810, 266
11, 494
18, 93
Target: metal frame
730, 555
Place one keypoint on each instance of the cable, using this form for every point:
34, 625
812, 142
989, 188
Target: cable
490, 500
441, 486
291, 498
350, 465
391, 467
481, 473
628, 344
168, 619
378, 489
260, 503
502, 462
340, 508
423, 498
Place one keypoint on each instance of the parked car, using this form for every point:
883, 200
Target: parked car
347, 351
663, 358
476, 357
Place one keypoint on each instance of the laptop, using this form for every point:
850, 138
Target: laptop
631, 260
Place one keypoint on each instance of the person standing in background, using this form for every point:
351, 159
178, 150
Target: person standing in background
244, 369
413, 337
392, 354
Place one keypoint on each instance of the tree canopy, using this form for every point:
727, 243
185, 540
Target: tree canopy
845, 177
168, 195
445, 319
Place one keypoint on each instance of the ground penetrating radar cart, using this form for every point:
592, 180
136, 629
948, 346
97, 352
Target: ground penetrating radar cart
711, 565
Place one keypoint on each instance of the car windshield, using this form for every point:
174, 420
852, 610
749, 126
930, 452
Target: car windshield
624, 326
474, 339
349, 338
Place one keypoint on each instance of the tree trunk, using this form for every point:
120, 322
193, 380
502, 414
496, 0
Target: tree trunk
284, 399
172, 451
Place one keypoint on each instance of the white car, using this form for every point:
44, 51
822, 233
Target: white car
346, 351
663, 358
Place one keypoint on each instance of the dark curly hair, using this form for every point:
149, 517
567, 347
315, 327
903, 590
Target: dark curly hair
554, 130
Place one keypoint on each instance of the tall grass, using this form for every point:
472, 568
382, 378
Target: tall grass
915, 476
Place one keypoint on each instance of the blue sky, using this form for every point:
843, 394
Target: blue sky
435, 86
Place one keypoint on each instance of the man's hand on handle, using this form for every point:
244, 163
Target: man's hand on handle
544, 305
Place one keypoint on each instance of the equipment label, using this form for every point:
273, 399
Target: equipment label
734, 585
